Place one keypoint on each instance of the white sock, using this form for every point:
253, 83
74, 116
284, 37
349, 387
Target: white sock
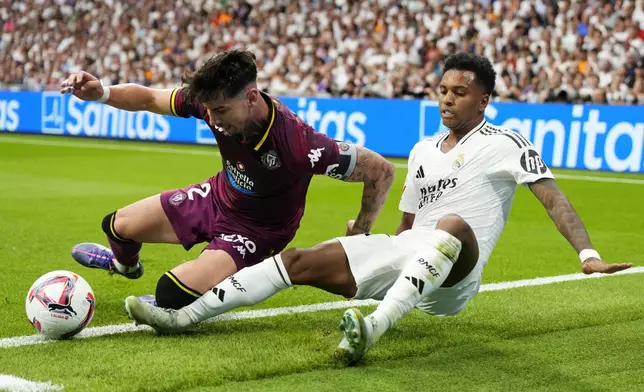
420, 277
124, 269
247, 287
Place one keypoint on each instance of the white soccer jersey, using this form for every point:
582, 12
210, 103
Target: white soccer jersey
477, 180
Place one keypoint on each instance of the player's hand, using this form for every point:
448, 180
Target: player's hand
592, 265
83, 85
352, 229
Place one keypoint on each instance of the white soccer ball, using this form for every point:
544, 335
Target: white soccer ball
60, 304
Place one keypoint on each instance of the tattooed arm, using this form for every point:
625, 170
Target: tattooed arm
569, 224
377, 174
562, 213
308, 152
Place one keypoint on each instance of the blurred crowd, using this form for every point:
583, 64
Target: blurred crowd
542, 50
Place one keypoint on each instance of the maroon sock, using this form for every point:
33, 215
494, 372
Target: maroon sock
125, 252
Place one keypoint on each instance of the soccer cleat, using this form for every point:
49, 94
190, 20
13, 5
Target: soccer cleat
98, 256
164, 321
357, 338
148, 299
341, 353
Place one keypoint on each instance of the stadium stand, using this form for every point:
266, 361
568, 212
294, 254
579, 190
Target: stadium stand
543, 51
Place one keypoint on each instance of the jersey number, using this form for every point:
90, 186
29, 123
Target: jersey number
203, 191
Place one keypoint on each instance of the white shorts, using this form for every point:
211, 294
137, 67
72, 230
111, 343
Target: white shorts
377, 261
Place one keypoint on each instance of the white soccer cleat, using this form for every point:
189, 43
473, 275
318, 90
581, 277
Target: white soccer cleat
164, 321
358, 337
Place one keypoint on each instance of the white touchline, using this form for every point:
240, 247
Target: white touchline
20, 341
17, 384
212, 151
111, 146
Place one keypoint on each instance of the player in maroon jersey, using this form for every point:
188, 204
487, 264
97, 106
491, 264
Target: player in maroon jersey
252, 208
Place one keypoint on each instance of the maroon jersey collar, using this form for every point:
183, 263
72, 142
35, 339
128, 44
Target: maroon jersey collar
271, 110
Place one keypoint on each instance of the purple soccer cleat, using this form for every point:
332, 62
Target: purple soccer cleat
98, 256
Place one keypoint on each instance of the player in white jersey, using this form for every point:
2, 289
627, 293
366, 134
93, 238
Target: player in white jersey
456, 201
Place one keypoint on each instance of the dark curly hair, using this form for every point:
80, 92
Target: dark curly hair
224, 75
485, 76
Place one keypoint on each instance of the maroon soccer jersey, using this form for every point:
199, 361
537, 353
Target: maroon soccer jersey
264, 181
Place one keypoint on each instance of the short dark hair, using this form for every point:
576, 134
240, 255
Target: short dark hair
484, 73
224, 75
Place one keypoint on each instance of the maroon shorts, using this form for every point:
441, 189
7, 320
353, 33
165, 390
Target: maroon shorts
196, 217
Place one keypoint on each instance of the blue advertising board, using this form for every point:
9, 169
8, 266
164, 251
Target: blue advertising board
592, 137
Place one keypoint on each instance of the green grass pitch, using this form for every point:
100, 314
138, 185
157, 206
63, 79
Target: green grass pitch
573, 336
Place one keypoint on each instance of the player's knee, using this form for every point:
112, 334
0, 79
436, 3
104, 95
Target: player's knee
294, 264
118, 226
113, 227
302, 266
123, 224
456, 226
469, 254
172, 294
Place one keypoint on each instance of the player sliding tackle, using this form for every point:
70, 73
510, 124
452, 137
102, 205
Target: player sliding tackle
248, 211
455, 204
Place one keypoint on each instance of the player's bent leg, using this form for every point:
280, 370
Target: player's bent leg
324, 266
424, 273
249, 286
145, 221
245, 251
209, 269
180, 287
464, 279
122, 258
126, 229
172, 293
469, 254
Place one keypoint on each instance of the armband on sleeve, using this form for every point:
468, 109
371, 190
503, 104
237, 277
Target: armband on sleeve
346, 164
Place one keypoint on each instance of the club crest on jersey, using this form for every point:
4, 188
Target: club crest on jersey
270, 160
459, 162
178, 198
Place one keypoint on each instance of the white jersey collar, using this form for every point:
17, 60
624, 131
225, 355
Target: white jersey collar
477, 128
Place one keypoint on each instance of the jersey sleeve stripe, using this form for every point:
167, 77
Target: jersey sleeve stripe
525, 141
515, 137
173, 98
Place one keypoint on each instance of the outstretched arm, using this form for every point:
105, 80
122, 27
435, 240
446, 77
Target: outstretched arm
570, 226
377, 174
127, 96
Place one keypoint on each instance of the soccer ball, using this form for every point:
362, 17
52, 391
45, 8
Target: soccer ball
60, 304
